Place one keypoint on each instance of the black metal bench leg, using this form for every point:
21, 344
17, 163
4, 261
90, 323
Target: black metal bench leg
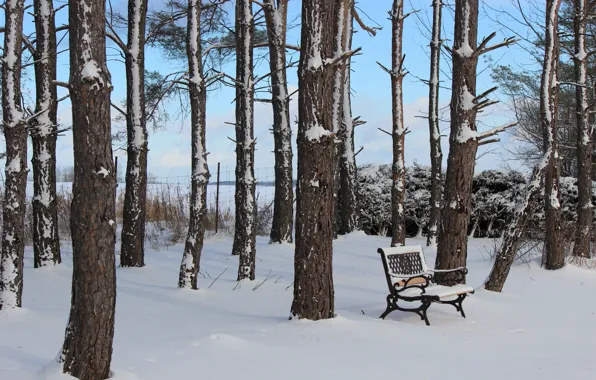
387, 311
461, 307
391, 306
425, 306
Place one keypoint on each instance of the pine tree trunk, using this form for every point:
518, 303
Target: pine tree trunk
190, 265
15, 135
398, 188
244, 236
313, 270
555, 254
283, 203
87, 349
436, 154
339, 75
347, 211
515, 230
46, 242
457, 205
132, 252
583, 231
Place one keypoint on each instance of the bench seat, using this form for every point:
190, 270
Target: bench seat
438, 290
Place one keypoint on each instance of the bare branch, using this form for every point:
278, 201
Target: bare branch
118, 109
62, 84
114, 37
384, 131
370, 30
482, 49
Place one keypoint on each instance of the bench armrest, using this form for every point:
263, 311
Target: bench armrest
413, 282
406, 277
454, 276
460, 269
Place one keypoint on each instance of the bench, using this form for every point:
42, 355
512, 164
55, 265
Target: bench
410, 280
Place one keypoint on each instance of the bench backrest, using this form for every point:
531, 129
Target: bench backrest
402, 262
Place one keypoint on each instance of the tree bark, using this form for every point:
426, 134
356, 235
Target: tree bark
398, 188
436, 154
515, 230
15, 134
583, 231
555, 254
190, 265
132, 252
347, 212
46, 242
283, 203
457, 205
87, 348
339, 76
244, 236
313, 270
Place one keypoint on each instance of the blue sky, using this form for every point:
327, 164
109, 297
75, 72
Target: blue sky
169, 154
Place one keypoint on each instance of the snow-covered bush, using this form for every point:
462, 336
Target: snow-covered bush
374, 192
417, 199
495, 194
374, 198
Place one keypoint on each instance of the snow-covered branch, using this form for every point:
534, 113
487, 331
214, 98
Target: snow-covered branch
342, 57
494, 131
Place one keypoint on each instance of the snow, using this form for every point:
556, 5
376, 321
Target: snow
315, 132
15, 164
91, 70
164, 333
103, 172
465, 50
439, 290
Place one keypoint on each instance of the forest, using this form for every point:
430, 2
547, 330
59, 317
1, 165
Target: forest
145, 261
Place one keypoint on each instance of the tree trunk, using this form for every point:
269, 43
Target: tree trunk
132, 252
46, 242
313, 270
398, 188
244, 236
87, 349
15, 134
555, 254
347, 211
457, 205
583, 231
436, 155
283, 203
339, 75
515, 230
189, 268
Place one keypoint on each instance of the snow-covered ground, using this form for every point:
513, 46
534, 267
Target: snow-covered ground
542, 327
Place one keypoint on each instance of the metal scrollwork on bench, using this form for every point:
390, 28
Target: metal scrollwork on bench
406, 263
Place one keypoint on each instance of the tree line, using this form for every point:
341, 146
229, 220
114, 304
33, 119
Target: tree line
193, 31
